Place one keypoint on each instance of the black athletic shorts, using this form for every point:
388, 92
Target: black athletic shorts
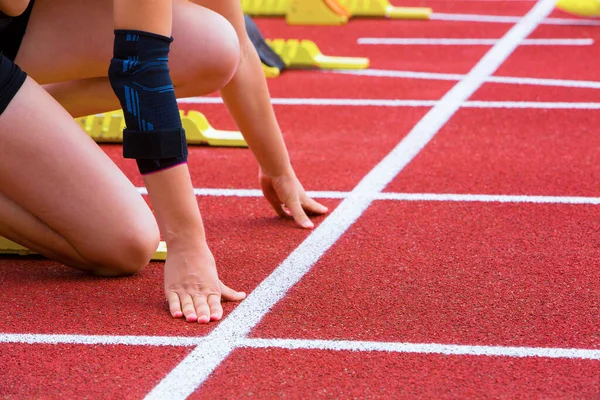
12, 30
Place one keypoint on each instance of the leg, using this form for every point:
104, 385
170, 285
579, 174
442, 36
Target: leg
62, 196
85, 28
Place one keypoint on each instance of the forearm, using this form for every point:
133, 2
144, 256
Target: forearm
248, 101
172, 196
168, 182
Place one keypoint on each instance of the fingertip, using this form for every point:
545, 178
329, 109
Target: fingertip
177, 314
307, 224
203, 319
191, 318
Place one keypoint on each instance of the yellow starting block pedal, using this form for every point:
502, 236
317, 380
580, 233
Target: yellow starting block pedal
383, 8
582, 8
272, 8
316, 12
108, 128
305, 53
10, 247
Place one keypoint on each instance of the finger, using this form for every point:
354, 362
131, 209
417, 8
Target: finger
174, 305
299, 214
312, 207
272, 198
188, 308
228, 294
216, 310
202, 309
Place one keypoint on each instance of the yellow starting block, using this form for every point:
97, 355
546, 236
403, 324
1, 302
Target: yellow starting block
299, 12
333, 12
10, 247
383, 8
305, 53
268, 8
316, 12
582, 8
108, 128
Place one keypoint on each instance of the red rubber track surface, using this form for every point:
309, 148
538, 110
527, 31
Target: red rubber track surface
463, 273
496, 151
46, 297
276, 373
78, 371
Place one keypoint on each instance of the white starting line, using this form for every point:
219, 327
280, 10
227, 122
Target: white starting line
469, 42
304, 344
447, 197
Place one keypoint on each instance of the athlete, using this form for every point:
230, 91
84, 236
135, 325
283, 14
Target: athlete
94, 56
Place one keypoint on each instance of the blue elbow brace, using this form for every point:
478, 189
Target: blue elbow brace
139, 76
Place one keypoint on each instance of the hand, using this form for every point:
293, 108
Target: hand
288, 198
192, 286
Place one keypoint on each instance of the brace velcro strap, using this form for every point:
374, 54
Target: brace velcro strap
154, 145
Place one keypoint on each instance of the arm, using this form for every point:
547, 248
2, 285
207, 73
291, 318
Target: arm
248, 101
192, 286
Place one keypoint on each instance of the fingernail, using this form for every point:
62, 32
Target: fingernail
203, 319
308, 224
192, 318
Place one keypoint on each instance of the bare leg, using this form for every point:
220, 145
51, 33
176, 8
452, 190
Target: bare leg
63, 197
203, 57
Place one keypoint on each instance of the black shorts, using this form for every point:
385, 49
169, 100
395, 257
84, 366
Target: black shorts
12, 30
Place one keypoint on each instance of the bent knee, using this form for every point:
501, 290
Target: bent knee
126, 252
206, 55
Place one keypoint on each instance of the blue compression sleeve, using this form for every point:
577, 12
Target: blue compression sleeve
139, 76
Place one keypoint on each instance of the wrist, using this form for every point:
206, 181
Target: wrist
273, 171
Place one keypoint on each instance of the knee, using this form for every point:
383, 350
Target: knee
211, 59
127, 251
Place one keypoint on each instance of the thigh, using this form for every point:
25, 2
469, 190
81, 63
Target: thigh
53, 170
73, 39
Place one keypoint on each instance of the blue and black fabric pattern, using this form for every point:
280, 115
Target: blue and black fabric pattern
139, 75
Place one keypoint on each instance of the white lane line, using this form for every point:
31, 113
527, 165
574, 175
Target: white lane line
27, 338
533, 105
469, 42
511, 80
417, 103
424, 348
452, 197
291, 101
484, 198
196, 367
304, 344
505, 19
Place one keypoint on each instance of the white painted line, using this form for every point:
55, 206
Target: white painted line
99, 340
196, 367
291, 101
533, 105
422, 103
452, 197
381, 73
470, 42
424, 348
504, 19
303, 344
486, 198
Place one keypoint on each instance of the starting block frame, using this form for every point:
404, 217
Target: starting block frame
108, 128
10, 247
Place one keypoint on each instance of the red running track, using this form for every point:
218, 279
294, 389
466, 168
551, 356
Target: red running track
464, 273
